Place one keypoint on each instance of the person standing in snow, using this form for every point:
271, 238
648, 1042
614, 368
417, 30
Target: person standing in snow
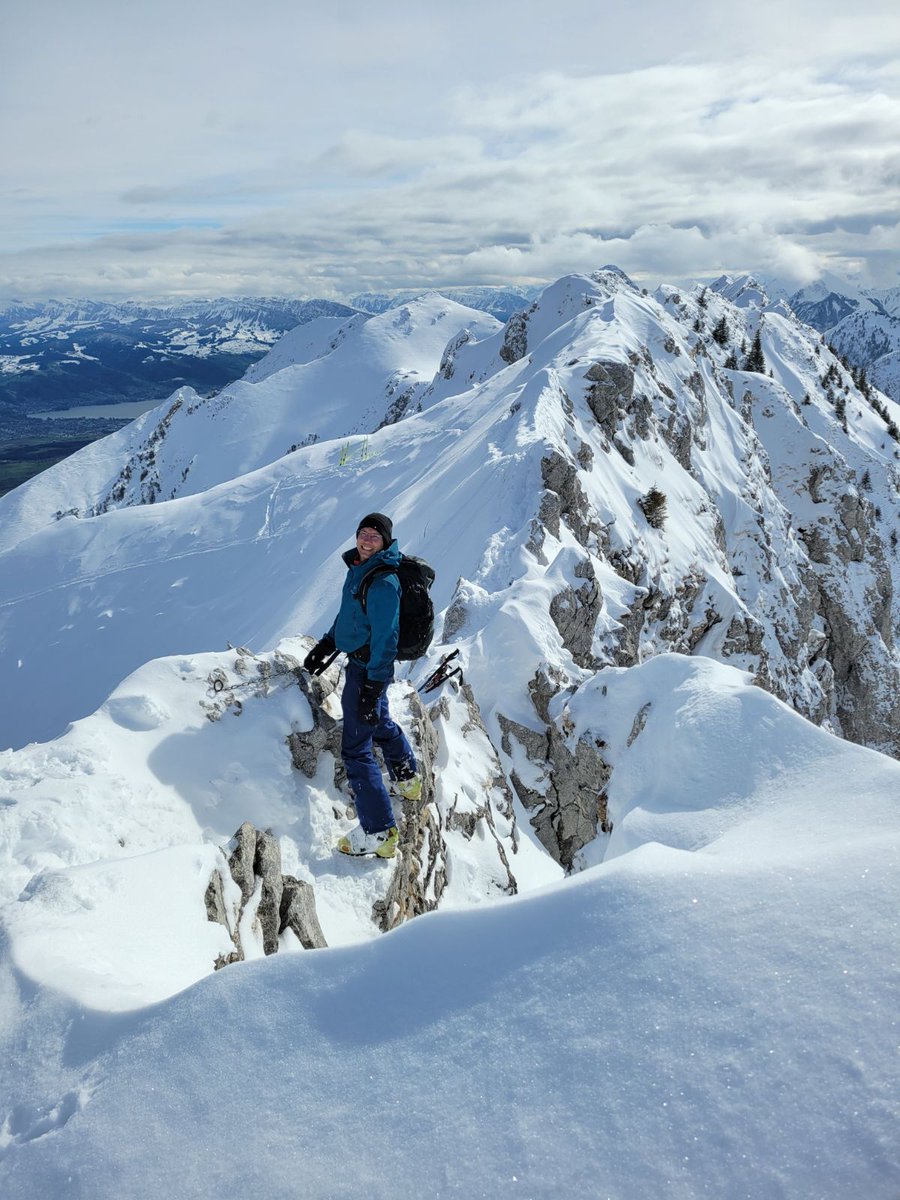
369, 638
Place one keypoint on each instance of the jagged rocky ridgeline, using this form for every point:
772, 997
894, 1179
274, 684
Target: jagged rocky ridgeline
610, 476
782, 487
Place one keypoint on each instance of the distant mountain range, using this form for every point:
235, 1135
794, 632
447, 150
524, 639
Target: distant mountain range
65, 354
59, 355
862, 326
824, 303
499, 302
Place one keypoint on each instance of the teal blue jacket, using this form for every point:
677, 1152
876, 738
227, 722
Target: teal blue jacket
378, 628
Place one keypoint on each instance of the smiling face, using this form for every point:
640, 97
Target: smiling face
368, 542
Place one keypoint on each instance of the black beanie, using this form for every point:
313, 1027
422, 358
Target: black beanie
380, 523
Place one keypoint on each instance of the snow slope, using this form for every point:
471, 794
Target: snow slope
709, 1012
704, 1007
113, 828
323, 380
255, 557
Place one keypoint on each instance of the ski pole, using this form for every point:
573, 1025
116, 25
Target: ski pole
438, 669
325, 665
435, 682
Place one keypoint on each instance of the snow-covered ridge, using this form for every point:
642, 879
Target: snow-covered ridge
326, 379
537, 439
671, 580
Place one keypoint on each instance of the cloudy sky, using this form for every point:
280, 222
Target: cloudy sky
293, 147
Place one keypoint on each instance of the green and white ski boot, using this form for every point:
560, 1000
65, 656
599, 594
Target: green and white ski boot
357, 842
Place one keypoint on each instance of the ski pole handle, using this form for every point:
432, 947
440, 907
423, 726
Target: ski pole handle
325, 665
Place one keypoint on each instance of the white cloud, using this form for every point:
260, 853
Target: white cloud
286, 148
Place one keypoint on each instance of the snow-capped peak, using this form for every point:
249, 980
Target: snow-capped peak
743, 290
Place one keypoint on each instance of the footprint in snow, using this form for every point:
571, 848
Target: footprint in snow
27, 1122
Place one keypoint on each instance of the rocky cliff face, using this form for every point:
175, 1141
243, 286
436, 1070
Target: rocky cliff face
774, 548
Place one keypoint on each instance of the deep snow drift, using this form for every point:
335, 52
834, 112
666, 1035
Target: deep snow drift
711, 1012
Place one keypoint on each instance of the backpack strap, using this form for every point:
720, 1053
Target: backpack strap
367, 582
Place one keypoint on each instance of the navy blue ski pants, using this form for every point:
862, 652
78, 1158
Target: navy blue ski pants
373, 804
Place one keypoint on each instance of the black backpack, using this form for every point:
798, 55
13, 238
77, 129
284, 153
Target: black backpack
416, 609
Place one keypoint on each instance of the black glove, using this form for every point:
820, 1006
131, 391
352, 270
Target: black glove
369, 695
315, 660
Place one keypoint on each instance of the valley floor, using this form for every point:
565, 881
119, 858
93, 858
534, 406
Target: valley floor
28, 456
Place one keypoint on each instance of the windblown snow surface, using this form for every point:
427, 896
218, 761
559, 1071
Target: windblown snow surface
708, 1008
709, 1012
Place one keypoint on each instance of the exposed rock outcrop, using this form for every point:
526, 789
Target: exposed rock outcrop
515, 338
400, 395
858, 645
565, 793
478, 809
610, 393
139, 480
456, 615
574, 612
270, 903
447, 368
306, 746
565, 499
420, 872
